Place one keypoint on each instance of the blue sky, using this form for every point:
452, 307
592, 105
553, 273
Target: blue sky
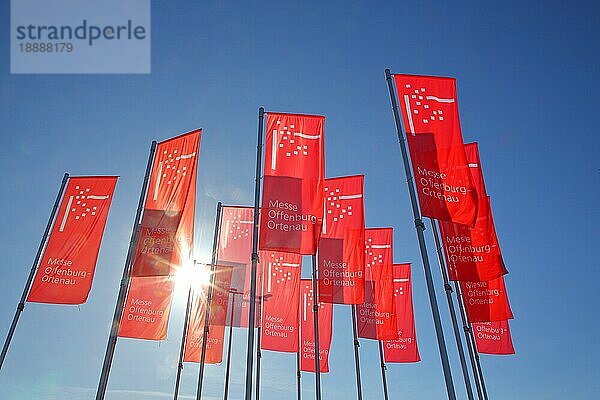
528, 81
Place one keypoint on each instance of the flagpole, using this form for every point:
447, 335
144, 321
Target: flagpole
258, 351
230, 340
215, 251
32, 272
383, 368
252, 305
448, 290
316, 328
470, 344
420, 227
356, 354
298, 373
124, 286
183, 340
469, 332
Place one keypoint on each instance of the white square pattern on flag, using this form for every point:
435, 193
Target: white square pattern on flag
374, 252
82, 206
276, 271
171, 168
308, 302
239, 228
338, 205
288, 143
423, 108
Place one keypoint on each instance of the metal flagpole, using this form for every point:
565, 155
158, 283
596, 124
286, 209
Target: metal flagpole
32, 272
213, 263
420, 227
252, 305
124, 286
469, 333
183, 340
383, 368
356, 358
230, 340
316, 328
298, 373
448, 290
258, 351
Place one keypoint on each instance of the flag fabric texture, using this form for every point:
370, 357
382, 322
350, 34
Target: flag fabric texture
376, 316
493, 338
66, 269
167, 229
444, 184
147, 308
294, 172
486, 301
217, 319
307, 332
280, 300
472, 153
473, 254
404, 349
341, 247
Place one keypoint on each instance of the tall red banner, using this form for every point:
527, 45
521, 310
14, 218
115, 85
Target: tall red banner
292, 203
217, 319
473, 254
66, 270
147, 308
376, 316
472, 152
493, 338
307, 332
167, 230
404, 349
280, 303
430, 113
486, 301
341, 248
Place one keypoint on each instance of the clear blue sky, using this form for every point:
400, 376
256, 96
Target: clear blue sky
528, 82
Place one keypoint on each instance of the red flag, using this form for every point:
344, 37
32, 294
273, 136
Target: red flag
167, 230
235, 239
430, 113
472, 152
376, 316
404, 349
66, 270
341, 248
486, 301
292, 200
307, 332
217, 319
473, 254
493, 338
280, 300
147, 308
240, 285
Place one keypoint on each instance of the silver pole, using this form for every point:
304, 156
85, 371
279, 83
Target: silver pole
183, 340
230, 341
213, 263
316, 327
420, 227
383, 368
252, 305
32, 272
448, 290
356, 354
116, 324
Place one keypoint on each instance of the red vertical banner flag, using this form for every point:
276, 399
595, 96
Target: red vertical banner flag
430, 113
377, 316
167, 229
473, 254
66, 270
147, 308
472, 153
280, 303
307, 332
493, 338
486, 301
217, 319
292, 202
341, 247
404, 349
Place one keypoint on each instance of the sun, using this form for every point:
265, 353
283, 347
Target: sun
196, 274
